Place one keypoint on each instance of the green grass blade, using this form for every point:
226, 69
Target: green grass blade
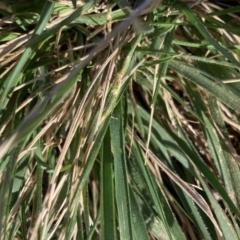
229, 166
121, 182
179, 147
139, 226
39, 184
224, 222
159, 202
206, 34
164, 65
87, 168
119, 125
197, 216
13, 78
5, 191
108, 218
211, 135
222, 93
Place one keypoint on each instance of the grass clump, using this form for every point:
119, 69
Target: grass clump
119, 120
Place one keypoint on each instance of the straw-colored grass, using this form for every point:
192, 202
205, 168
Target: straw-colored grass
119, 120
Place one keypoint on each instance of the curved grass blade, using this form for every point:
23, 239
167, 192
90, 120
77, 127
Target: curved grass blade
227, 230
212, 138
222, 93
201, 28
185, 187
114, 96
197, 216
224, 222
13, 78
183, 152
87, 169
53, 98
161, 206
229, 166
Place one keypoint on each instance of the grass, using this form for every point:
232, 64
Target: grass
118, 123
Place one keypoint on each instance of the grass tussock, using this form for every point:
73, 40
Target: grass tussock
119, 119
